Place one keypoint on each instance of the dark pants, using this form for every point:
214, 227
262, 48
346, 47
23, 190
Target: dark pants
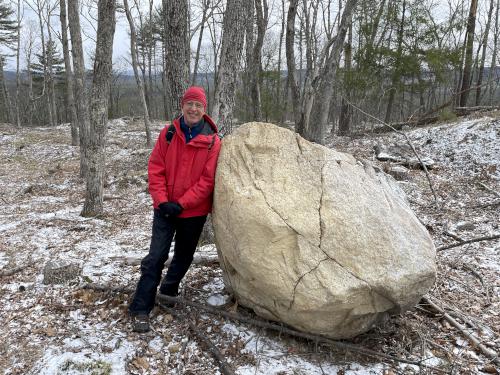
187, 233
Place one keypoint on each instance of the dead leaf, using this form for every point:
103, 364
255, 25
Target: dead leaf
49, 331
141, 362
490, 369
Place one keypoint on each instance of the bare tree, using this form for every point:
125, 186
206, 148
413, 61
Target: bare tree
484, 45
324, 82
493, 64
290, 61
18, 71
177, 52
469, 42
262, 15
79, 69
70, 99
138, 81
231, 51
103, 65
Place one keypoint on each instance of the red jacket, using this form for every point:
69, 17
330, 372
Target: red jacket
185, 173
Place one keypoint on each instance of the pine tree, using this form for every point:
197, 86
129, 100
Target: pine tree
8, 25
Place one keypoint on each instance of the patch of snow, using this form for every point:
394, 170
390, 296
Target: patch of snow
218, 299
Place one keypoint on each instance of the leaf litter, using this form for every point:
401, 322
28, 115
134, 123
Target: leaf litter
63, 329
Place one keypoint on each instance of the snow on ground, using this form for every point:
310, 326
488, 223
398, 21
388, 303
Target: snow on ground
64, 329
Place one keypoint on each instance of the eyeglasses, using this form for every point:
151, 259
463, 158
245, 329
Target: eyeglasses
196, 105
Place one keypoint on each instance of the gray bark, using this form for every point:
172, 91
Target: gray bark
103, 66
494, 54
469, 43
261, 11
290, 62
79, 69
46, 78
231, 51
18, 72
140, 86
206, 5
177, 51
483, 55
324, 92
69, 75
5, 93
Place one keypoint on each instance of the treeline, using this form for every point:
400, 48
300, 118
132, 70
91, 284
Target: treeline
325, 66
398, 59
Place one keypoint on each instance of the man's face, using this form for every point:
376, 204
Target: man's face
193, 112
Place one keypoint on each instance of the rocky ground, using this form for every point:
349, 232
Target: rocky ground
60, 328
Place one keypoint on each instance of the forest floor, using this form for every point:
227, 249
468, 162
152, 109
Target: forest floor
64, 329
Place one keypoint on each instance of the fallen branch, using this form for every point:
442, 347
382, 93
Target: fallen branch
484, 205
223, 365
488, 189
472, 240
273, 326
489, 353
481, 280
14, 270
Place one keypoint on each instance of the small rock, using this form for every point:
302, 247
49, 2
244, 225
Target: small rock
399, 172
58, 273
465, 225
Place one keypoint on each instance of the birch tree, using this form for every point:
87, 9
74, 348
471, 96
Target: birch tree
103, 65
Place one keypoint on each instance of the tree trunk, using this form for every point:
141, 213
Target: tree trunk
69, 75
396, 75
469, 43
206, 5
80, 98
103, 66
5, 94
231, 50
50, 69
290, 62
346, 109
493, 64
45, 69
280, 53
324, 93
261, 11
483, 56
18, 72
249, 60
177, 52
140, 87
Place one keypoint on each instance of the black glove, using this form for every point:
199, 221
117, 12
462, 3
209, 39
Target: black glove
170, 209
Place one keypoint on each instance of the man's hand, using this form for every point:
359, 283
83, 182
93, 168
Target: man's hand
170, 209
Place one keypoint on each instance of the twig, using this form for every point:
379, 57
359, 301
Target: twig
472, 240
224, 366
478, 275
491, 354
489, 189
14, 270
484, 205
409, 143
454, 236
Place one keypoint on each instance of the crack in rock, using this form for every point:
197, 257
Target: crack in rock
300, 279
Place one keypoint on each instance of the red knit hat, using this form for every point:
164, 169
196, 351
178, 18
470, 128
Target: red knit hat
195, 93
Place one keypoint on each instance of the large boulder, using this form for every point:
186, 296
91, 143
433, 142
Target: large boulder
313, 238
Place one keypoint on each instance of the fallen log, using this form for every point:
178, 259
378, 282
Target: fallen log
472, 240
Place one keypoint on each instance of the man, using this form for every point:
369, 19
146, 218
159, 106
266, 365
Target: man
181, 174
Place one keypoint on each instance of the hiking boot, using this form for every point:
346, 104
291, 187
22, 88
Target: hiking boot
140, 323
